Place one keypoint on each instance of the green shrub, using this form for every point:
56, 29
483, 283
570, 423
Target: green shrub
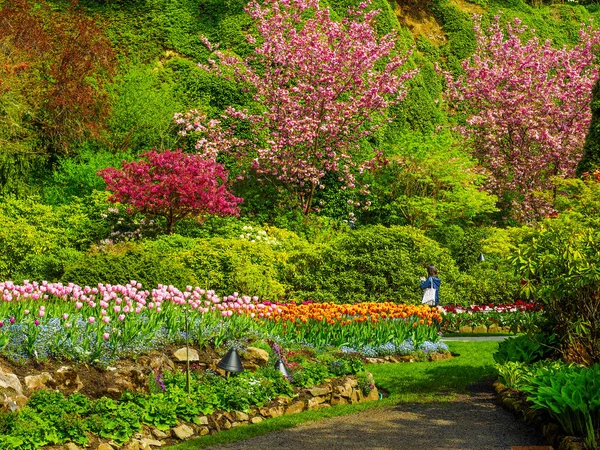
524, 349
77, 176
144, 101
374, 264
559, 265
49, 266
33, 234
120, 263
236, 265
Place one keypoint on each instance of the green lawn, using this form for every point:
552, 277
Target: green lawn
405, 382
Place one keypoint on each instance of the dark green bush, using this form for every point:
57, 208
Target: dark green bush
120, 263
374, 264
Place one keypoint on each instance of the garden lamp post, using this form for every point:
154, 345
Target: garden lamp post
481, 258
231, 362
280, 366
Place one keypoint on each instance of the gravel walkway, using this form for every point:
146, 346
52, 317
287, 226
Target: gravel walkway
472, 421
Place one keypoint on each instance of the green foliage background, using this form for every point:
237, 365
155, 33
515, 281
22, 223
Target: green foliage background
427, 205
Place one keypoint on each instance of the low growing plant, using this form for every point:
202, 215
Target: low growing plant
571, 395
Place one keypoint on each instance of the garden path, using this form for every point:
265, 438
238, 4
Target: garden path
471, 422
475, 338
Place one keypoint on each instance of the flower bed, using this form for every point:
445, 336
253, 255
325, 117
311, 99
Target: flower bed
48, 329
167, 413
489, 318
103, 323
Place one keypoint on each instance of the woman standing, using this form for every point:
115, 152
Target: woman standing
431, 282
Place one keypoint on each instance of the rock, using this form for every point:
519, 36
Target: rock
283, 400
38, 381
151, 442
356, 396
71, 446
105, 446
183, 432
480, 329
203, 431
203, 420
373, 395
240, 416
319, 391
159, 434
274, 411
493, 328
226, 425
465, 329
295, 407
313, 403
253, 358
15, 402
238, 424
155, 362
324, 405
134, 444
338, 400
67, 380
180, 355
9, 383
256, 419
435, 356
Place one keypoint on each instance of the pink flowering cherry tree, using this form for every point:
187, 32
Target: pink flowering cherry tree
527, 107
323, 84
173, 185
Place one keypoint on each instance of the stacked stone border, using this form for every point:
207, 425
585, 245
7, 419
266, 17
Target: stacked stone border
337, 392
492, 329
515, 402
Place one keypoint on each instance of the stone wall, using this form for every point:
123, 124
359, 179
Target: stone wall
338, 392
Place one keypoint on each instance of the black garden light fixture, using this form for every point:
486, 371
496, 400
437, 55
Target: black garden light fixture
280, 366
481, 258
231, 362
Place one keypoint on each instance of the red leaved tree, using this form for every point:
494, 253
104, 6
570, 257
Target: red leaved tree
528, 110
324, 85
173, 185
65, 61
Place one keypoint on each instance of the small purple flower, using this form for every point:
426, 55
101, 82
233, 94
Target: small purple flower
159, 381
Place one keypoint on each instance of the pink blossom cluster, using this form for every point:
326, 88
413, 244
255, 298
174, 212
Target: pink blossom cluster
528, 111
321, 87
109, 302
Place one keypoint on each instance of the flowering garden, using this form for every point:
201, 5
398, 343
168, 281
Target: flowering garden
105, 323
274, 177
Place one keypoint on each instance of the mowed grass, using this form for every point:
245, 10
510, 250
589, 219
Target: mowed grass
419, 382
